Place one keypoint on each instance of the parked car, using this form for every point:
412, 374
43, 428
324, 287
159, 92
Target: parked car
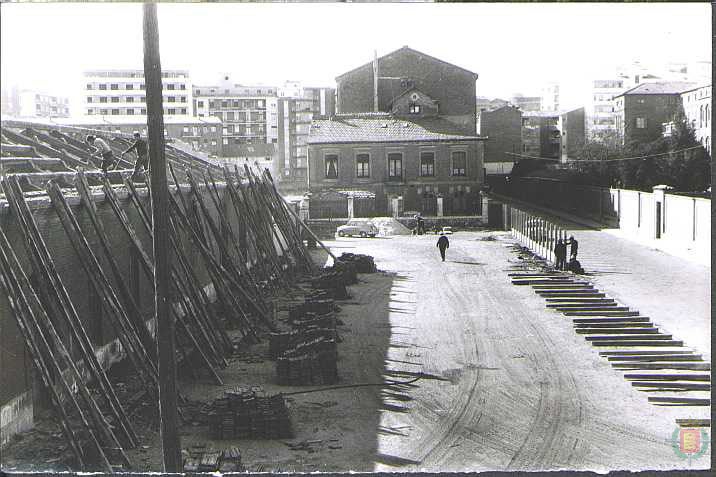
447, 231
363, 228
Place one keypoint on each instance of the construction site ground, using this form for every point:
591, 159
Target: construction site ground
507, 384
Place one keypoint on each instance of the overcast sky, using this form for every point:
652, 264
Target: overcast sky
513, 47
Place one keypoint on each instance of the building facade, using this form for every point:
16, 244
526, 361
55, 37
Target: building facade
527, 103
641, 111
550, 97
375, 86
502, 129
242, 111
601, 118
425, 166
123, 93
33, 104
697, 109
294, 117
553, 134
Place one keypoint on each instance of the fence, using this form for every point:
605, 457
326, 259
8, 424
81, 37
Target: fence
536, 233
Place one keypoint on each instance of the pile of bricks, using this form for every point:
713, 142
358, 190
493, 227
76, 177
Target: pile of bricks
307, 354
199, 459
362, 263
241, 413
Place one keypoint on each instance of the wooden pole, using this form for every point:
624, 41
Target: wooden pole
160, 214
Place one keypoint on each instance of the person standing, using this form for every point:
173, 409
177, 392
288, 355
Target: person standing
140, 148
103, 150
573, 247
443, 244
560, 254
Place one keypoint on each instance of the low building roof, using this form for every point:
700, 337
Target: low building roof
662, 87
384, 128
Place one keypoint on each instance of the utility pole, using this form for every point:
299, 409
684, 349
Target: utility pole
160, 212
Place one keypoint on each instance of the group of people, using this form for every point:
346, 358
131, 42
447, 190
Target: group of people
107, 156
560, 255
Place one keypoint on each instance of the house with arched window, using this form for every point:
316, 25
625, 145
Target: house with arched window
697, 108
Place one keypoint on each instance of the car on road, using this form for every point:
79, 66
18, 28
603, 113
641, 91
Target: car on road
362, 228
447, 231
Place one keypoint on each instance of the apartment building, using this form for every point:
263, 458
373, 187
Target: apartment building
553, 134
698, 113
527, 103
123, 93
601, 119
641, 111
550, 97
245, 111
27, 103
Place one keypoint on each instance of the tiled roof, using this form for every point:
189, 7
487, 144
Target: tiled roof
356, 129
664, 87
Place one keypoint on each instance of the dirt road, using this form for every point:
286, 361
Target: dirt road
513, 387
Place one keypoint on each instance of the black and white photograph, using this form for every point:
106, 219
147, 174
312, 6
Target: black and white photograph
341, 237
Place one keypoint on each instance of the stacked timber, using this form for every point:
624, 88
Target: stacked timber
199, 459
241, 413
308, 353
363, 263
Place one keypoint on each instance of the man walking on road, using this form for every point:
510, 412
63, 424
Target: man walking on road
140, 148
443, 244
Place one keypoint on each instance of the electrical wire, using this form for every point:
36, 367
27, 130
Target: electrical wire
573, 161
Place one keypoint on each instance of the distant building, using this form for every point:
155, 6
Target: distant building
487, 104
641, 111
550, 97
242, 111
200, 134
323, 100
294, 117
527, 103
426, 165
553, 134
123, 93
697, 109
502, 129
33, 104
377, 86
601, 118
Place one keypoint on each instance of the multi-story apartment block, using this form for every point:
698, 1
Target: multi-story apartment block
697, 111
34, 104
553, 134
242, 110
527, 103
294, 117
502, 128
200, 134
601, 119
641, 111
323, 100
550, 97
123, 93
378, 85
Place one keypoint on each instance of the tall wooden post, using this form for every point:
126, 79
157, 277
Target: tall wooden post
160, 214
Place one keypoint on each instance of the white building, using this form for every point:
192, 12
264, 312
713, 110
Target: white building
34, 104
550, 97
698, 112
123, 93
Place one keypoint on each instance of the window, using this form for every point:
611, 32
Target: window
129, 86
427, 164
182, 110
103, 86
183, 86
172, 111
701, 116
182, 99
89, 99
143, 111
200, 104
641, 123
115, 99
89, 86
362, 165
170, 86
130, 111
224, 104
115, 112
170, 99
459, 163
130, 99
230, 116
213, 129
90, 111
103, 99
103, 111
142, 86
395, 166
331, 163
414, 108
114, 86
